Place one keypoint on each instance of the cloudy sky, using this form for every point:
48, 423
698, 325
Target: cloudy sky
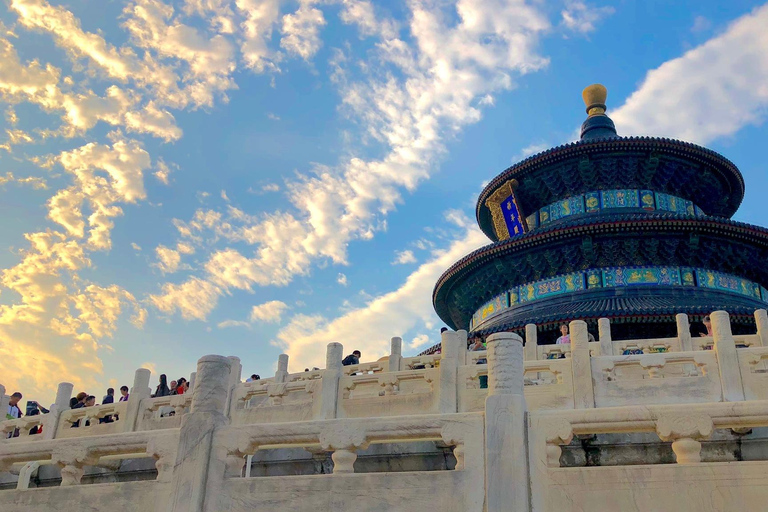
251, 177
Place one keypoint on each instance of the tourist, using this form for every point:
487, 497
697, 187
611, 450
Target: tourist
477, 345
90, 401
172, 387
124, 393
353, 358
708, 326
182, 386
109, 398
162, 388
14, 411
253, 378
72, 402
81, 397
442, 330
565, 337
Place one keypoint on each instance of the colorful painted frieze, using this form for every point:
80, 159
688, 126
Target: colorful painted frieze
553, 286
592, 202
647, 200
544, 215
594, 278
720, 281
619, 199
635, 276
698, 211
514, 296
687, 276
764, 294
532, 220
566, 207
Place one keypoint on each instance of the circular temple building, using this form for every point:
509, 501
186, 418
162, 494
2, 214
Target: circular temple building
634, 229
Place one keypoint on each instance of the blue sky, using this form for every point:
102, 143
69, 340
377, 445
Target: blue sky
252, 177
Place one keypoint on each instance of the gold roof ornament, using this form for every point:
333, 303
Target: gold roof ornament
594, 98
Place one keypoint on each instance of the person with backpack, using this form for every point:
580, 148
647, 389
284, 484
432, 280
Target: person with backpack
353, 358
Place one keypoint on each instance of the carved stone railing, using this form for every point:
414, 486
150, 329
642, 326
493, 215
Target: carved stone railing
73, 455
21, 430
421, 362
163, 412
86, 420
646, 487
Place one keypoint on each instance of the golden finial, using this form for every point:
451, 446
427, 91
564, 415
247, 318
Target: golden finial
594, 98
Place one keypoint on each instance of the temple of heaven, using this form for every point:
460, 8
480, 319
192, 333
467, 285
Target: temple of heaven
634, 229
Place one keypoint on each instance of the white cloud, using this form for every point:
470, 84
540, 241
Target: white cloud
711, 91
35, 182
136, 247
271, 187
341, 279
193, 299
260, 17
167, 259
369, 328
419, 95
232, 323
272, 116
163, 172
404, 258
269, 312
301, 30
581, 17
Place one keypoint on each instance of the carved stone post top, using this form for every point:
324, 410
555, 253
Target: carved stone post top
334, 353
211, 390
604, 328
681, 319
761, 315
670, 427
396, 345
505, 364
140, 388
721, 326
63, 394
282, 363
579, 335
503, 336
451, 344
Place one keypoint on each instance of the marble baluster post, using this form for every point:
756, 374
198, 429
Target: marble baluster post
506, 454
329, 393
683, 332
3, 401
281, 375
581, 366
727, 358
51, 420
139, 392
604, 333
234, 380
761, 320
395, 354
531, 348
198, 474
452, 348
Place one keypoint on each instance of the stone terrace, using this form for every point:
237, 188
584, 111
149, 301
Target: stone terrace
661, 424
